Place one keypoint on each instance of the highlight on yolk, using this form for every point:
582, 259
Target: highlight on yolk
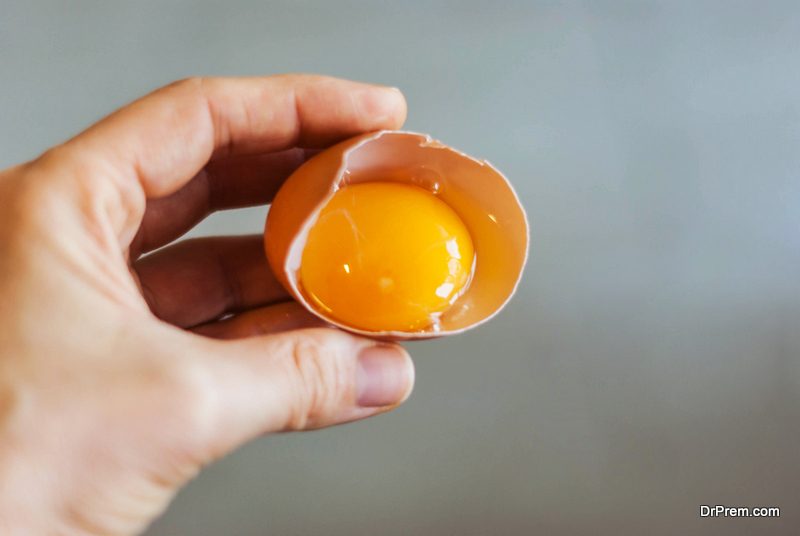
385, 256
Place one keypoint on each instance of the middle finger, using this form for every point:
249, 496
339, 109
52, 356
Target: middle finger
223, 184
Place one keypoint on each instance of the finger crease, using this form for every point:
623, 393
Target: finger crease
298, 118
233, 287
223, 142
208, 183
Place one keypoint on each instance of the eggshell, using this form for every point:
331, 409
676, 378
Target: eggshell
479, 194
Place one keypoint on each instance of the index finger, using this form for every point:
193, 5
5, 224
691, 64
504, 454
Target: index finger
163, 139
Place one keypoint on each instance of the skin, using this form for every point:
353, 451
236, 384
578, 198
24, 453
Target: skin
122, 375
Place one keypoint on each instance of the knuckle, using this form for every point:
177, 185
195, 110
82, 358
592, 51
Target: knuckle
69, 171
72, 174
190, 405
29, 202
320, 381
189, 84
70, 159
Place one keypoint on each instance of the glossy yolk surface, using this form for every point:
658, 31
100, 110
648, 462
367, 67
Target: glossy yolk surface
386, 256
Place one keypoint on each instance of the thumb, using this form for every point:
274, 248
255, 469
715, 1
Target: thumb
304, 379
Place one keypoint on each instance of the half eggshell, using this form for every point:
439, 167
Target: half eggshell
475, 190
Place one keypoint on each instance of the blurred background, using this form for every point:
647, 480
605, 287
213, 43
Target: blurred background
650, 362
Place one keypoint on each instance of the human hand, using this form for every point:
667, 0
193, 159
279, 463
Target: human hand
121, 376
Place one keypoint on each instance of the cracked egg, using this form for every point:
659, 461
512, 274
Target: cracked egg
394, 235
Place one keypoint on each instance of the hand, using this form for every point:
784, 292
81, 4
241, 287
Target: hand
121, 376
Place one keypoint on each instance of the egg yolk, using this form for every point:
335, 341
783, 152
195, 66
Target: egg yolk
385, 256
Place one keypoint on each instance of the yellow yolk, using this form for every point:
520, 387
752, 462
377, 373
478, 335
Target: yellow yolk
385, 256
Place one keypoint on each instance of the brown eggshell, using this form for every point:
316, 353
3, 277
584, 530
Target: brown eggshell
478, 193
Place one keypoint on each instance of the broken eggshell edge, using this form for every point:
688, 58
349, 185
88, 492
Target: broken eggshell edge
479, 193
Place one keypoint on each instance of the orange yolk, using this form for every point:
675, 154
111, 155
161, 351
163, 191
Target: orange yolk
385, 256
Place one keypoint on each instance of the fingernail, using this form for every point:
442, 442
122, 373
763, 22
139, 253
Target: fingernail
384, 375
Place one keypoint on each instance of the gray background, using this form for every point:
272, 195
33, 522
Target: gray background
650, 362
